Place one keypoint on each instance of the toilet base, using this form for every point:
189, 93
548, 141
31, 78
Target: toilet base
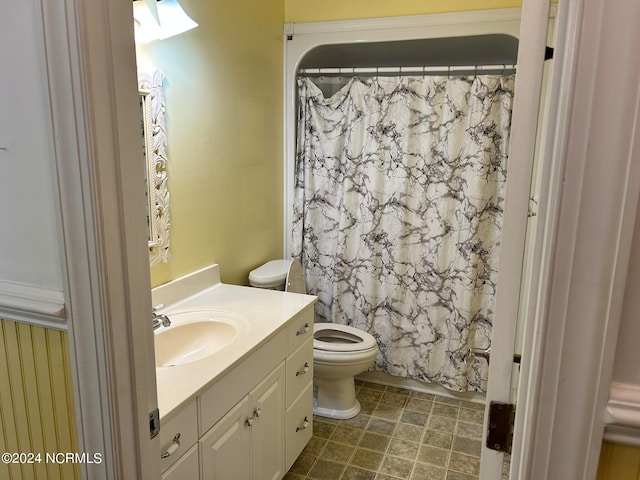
338, 414
335, 398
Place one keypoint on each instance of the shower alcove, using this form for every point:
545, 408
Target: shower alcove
442, 40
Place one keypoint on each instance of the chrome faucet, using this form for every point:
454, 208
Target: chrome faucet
159, 319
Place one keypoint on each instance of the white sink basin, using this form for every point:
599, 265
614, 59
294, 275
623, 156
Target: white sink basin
194, 336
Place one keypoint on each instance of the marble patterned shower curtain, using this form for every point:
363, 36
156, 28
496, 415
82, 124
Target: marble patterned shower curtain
398, 214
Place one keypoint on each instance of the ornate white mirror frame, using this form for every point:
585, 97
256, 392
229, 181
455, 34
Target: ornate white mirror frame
155, 156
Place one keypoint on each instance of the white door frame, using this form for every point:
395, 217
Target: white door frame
595, 169
526, 114
91, 74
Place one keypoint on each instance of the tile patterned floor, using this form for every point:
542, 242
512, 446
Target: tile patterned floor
400, 434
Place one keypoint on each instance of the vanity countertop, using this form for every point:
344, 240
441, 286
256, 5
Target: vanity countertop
267, 311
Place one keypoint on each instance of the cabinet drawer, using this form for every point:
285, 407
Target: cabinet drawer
184, 426
300, 329
187, 467
299, 425
225, 393
299, 370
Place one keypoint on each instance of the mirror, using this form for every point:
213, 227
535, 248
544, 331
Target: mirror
154, 154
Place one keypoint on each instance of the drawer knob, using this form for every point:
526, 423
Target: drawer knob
249, 421
175, 444
258, 412
303, 331
304, 425
304, 370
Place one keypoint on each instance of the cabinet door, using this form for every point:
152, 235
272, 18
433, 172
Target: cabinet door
267, 432
185, 468
225, 450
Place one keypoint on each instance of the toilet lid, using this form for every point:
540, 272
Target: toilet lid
334, 337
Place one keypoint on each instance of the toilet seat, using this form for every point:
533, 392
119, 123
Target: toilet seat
341, 338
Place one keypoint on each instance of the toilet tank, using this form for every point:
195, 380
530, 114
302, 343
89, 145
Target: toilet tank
272, 275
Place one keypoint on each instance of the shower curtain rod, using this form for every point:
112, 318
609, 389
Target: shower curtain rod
414, 70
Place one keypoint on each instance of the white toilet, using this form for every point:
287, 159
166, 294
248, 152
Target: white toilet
339, 352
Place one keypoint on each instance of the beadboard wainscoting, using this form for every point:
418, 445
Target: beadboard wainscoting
619, 462
36, 401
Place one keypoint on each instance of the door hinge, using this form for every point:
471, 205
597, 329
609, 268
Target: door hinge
500, 429
533, 206
154, 423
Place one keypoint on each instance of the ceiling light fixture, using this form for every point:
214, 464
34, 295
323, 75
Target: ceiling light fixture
157, 20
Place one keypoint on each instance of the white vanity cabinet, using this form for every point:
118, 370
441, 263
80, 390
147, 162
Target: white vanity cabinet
244, 411
254, 420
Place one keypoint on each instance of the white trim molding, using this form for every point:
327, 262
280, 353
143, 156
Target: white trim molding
32, 304
92, 89
481, 17
622, 418
581, 301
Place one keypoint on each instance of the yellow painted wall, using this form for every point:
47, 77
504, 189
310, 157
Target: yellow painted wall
225, 140
619, 462
314, 11
36, 400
